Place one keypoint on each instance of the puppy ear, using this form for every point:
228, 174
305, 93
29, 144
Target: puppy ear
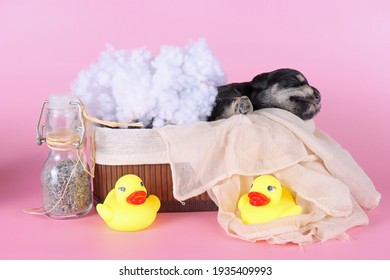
260, 82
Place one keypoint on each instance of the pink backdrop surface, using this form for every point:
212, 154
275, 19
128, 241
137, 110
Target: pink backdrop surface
341, 46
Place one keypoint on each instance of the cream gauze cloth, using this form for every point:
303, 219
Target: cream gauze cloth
224, 157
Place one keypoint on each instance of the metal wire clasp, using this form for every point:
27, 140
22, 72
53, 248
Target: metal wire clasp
39, 128
81, 127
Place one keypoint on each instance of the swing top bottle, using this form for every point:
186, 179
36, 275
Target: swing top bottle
65, 177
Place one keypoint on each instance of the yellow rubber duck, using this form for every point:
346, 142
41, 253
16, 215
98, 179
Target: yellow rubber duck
127, 207
266, 201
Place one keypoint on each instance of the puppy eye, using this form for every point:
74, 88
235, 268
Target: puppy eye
270, 188
290, 82
122, 189
297, 83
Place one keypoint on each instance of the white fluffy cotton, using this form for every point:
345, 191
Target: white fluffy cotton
178, 86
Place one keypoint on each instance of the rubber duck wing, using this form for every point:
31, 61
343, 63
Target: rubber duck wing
154, 202
105, 212
294, 210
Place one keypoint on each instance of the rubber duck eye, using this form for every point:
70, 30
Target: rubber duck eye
270, 188
142, 184
122, 189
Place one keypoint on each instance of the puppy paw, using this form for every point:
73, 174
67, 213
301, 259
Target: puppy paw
243, 105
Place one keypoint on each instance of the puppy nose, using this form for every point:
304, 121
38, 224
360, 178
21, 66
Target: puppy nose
317, 95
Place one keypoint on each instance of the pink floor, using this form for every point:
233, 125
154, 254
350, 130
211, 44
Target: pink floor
342, 49
172, 236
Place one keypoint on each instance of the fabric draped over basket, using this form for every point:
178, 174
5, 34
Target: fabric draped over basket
224, 157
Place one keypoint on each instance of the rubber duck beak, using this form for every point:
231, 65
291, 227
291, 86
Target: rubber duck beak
258, 199
136, 198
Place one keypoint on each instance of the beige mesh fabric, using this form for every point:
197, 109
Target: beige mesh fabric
129, 146
223, 158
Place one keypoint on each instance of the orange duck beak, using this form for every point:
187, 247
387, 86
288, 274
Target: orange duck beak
258, 199
136, 198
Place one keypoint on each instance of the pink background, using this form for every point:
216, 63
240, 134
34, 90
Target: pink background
341, 46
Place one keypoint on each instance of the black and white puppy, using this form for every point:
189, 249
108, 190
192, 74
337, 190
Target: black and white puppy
285, 89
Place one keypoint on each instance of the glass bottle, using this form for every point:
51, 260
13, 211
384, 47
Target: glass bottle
65, 177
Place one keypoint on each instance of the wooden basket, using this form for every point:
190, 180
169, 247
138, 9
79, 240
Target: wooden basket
156, 176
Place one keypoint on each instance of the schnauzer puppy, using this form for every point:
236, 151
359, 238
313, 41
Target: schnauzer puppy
285, 89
